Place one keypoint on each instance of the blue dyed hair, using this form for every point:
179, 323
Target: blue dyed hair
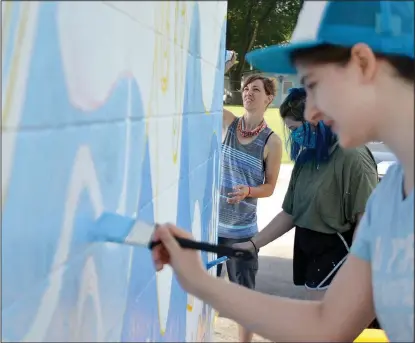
293, 107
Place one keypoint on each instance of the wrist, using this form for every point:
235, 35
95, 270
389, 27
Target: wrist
249, 192
254, 245
228, 66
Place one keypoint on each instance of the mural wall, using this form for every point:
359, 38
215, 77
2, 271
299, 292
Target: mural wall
106, 106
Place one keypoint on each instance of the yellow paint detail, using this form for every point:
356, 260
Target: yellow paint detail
15, 62
14, 69
215, 317
180, 34
159, 76
164, 83
8, 7
158, 73
191, 302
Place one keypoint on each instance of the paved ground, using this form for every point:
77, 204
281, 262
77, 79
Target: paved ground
275, 263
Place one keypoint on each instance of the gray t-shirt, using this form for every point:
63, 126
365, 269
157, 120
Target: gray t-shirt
386, 240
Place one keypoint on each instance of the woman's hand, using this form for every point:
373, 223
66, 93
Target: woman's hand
229, 64
240, 193
186, 263
246, 246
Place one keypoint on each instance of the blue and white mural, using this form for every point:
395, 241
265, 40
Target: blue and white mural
106, 106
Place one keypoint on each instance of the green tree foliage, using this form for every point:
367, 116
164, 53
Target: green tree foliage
253, 24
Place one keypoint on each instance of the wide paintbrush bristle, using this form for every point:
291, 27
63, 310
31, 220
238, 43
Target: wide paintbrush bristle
113, 227
140, 234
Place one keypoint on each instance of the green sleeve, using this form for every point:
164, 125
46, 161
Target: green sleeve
362, 180
287, 204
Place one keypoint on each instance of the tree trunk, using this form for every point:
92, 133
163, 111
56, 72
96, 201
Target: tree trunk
235, 75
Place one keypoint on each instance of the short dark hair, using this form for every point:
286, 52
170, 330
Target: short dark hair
293, 105
269, 84
328, 53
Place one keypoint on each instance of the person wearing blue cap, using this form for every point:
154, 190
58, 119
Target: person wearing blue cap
356, 61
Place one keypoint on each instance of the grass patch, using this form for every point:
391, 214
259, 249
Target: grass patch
273, 119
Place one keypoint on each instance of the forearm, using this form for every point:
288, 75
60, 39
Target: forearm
278, 226
278, 319
262, 191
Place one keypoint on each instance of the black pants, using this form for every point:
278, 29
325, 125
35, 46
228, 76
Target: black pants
318, 257
242, 272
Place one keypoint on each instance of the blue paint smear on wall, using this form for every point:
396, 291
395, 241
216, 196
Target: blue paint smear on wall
48, 140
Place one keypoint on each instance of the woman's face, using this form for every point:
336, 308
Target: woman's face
344, 97
254, 96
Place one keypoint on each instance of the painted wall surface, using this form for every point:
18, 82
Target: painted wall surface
106, 106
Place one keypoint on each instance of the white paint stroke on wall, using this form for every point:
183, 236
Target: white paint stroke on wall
194, 305
16, 91
83, 177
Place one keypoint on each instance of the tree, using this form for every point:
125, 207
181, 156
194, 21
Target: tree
253, 24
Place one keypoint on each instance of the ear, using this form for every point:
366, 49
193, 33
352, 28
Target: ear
364, 58
270, 99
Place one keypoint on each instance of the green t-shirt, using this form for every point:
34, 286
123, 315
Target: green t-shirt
327, 197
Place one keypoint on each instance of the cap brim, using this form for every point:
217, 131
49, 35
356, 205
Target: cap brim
276, 58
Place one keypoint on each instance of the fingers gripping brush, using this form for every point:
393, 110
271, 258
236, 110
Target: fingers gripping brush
115, 228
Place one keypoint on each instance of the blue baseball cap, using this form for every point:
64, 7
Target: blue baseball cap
386, 26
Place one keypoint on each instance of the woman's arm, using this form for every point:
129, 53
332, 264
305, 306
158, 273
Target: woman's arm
272, 168
228, 118
281, 224
345, 311
278, 226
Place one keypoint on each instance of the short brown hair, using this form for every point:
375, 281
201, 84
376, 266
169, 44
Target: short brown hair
269, 84
328, 53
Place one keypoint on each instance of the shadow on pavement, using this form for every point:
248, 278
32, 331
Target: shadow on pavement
275, 277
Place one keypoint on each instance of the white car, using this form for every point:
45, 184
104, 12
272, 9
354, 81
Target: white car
383, 156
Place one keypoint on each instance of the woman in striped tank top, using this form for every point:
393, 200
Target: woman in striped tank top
251, 158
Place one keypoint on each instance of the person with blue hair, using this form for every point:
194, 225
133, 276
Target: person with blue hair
356, 62
325, 199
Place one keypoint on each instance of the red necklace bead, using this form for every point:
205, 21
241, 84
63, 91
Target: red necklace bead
250, 133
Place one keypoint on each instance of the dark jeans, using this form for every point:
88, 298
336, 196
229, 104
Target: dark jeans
242, 272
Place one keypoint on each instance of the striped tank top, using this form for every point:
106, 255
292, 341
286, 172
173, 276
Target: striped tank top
242, 164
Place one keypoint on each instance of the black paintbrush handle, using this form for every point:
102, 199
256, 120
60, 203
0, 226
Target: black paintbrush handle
217, 249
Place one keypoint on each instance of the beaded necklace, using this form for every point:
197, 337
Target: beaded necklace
246, 133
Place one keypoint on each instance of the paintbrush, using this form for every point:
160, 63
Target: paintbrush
216, 262
115, 228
